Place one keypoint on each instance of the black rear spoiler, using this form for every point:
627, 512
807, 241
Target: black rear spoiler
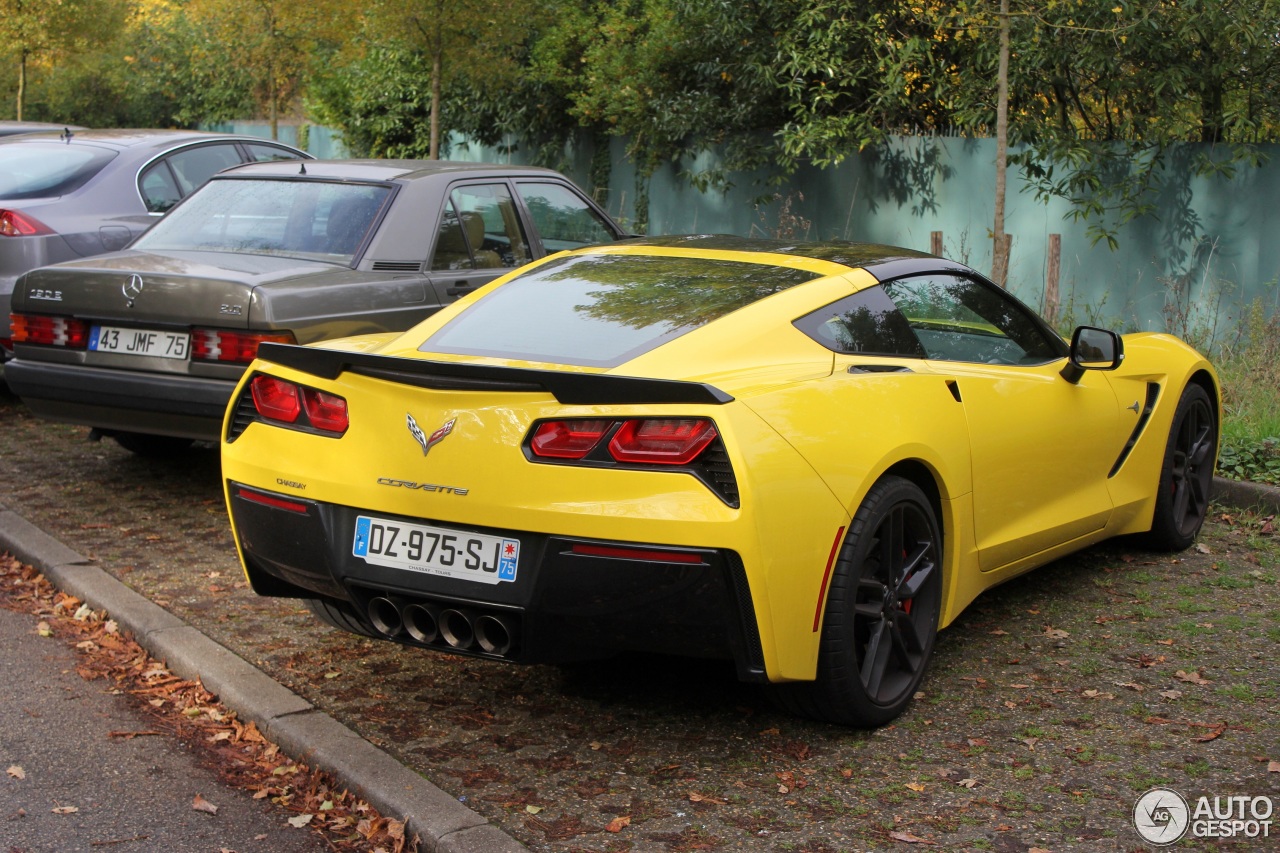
579, 389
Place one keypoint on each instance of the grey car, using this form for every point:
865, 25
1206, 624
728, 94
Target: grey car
146, 344
74, 194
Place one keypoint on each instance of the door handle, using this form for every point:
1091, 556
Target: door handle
460, 288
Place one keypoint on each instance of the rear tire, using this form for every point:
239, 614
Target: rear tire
153, 446
1182, 495
340, 615
881, 617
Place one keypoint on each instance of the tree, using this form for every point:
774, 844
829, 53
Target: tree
36, 30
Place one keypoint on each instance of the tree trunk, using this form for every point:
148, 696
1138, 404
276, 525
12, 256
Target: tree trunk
437, 50
22, 80
999, 240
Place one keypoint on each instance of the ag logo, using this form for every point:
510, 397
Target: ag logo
1161, 816
421, 437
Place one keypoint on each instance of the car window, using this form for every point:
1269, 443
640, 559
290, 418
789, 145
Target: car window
867, 323
260, 153
159, 189
44, 170
311, 219
961, 319
480, 229
603, 310
562, 218
194, 166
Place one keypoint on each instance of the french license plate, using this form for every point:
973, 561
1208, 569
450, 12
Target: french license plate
148, 342
436, 551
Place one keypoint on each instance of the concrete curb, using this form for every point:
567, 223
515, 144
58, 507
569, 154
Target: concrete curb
442, 823
1245, 495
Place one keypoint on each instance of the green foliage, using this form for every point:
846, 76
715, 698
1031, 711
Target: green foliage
381, 103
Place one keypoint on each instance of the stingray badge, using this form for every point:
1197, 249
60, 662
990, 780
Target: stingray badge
436, 437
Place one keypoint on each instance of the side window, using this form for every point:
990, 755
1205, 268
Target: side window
867, 323
563, 219
961, 319
451, 244
159, 190
194, 166
259, 153
481, 222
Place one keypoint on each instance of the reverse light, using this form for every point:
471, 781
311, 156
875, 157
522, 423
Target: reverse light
662, 441
51, 331
15, 224
230, 345
288, 403
568, 439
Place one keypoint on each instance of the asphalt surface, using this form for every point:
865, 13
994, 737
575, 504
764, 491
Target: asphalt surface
437, 817
441, 822
86, 771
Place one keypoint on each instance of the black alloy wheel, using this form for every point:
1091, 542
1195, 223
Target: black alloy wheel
1182, 499
881, 614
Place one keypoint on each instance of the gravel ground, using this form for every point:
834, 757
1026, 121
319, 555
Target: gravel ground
1052, 704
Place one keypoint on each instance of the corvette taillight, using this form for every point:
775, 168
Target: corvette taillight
642, 441
568, 439
230, 345
662, 441
51, 331
15, 224
288, 403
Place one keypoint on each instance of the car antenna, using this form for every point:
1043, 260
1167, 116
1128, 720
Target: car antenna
67, 134
302, 168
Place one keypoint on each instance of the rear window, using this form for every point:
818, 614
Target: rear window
48, 169
313, 220
604, 310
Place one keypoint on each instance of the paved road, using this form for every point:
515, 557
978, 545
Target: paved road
129, 794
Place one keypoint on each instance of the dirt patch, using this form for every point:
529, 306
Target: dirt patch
1052, 703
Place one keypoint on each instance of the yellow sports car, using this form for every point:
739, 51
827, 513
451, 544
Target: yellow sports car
803, 458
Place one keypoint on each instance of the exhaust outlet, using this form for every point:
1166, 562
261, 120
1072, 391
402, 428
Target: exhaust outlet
494, 634
384, 614
422, 622
456, 628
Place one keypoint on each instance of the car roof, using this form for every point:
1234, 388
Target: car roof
124, 139
386, 170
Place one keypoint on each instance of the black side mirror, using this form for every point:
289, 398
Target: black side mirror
1092, 349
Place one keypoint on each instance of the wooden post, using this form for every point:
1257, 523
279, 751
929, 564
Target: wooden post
1051, 297
935, 243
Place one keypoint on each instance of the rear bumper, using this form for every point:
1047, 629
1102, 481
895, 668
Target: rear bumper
183, 406
567, 602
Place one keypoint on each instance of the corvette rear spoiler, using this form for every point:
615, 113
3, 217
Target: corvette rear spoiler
585, 389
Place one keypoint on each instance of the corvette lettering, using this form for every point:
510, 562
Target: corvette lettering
426, 487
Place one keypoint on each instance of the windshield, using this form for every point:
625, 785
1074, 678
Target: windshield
47, 169
603, 310
310, 219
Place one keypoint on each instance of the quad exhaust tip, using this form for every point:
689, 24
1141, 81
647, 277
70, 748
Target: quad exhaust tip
460, 628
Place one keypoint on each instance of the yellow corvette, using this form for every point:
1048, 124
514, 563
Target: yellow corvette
803, 458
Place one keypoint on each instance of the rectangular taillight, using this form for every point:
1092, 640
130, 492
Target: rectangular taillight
231, 345
49, 330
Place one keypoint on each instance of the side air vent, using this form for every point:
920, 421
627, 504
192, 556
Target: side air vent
397, 266
1153, 394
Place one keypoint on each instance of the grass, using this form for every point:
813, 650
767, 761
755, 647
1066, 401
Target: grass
1251, 399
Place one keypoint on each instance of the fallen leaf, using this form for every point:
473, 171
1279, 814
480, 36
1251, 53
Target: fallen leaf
1213, 733
1273, 766
999, 633
1031, 742
43, 629
618, 824
1165, 642
968, 783
200, 804
1096, 694
533, 809
910, 839
1171, 694
1055, 633
915, 786
65, 810
695, 797
300, 821
1191, 677
1203, 548
17, 772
